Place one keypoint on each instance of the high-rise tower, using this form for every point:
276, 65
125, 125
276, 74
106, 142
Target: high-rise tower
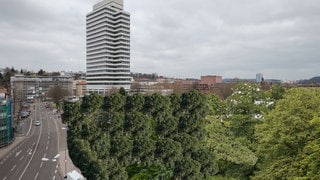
108, 47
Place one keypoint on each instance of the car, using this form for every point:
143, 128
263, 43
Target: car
37, 123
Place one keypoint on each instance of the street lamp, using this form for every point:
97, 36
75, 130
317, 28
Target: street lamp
65, 156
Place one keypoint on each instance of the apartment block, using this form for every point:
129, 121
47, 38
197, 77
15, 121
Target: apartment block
108, 47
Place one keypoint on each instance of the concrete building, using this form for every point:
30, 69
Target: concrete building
207, 82
79, 88
108, 47
25, 88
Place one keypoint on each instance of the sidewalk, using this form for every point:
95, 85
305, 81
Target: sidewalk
18, 138
6, 149
65, 163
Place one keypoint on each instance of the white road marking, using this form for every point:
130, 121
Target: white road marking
46, 147
54, 160
57, 156
21, 158
17, 154
44, 159
33, 151
54, 177
4, 178
29, 127
55, 171
41, 164
47, 142
36, 175
13, 168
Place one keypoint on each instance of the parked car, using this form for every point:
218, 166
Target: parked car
24, 114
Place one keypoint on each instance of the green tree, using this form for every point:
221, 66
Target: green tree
114, 103
121, 148
168, 151
245, 108
194, 109
235, 159
138, 125
143, 150
155, 171
122, 91
217, 107
135, 102
41, 72
208, 162
189, 143
289, 137
71, 112
188, 168
175, 100
91, 103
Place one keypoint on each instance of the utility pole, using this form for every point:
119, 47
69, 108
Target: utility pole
65, 157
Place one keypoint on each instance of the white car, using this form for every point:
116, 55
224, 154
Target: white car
37, 123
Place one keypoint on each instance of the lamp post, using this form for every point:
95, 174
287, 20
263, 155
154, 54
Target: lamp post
65, 156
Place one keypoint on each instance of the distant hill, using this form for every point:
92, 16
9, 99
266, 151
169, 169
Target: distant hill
314, 80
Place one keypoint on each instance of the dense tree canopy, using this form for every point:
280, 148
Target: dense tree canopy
130, 136
253, 134
289, 137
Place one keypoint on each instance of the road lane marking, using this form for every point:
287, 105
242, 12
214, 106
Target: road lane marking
41, 164
46, 147
4, 178
21, 158
44, 159
54, 177
24, 171
55, 171
29, 127
47, 142
18, 153
36, 175
13, 168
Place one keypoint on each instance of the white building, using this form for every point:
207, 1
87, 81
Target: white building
108, 47
259, 78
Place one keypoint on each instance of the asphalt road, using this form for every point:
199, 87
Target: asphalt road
37, 156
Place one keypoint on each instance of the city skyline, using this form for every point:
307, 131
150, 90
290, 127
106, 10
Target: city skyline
279, 39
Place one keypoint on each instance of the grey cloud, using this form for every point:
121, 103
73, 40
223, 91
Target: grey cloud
233, 38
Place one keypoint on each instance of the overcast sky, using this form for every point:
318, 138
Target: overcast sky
175, 38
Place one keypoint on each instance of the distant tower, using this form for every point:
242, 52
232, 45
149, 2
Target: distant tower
108, 47
259, 78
